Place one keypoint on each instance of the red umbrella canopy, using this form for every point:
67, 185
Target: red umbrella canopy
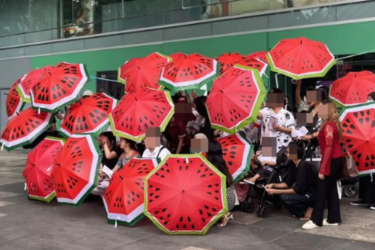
235, 99
301, 58
89, 115
76, 169
135, 112
178, 56
262, 55
14, 103
255, 64
29, 81
185, 194
237, 153
191, 72
353, 89
37, 172
227, 60
124, 197
359, 136
24, 128
59, 87
143, 72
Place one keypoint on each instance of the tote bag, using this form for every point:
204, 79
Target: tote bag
349, 168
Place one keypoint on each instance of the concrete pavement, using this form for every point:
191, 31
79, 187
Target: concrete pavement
27, 224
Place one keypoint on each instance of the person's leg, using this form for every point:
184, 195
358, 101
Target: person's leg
333, 202
294, 204
320, 203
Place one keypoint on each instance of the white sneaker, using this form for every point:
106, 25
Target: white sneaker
372, 207
309, 225
325, 223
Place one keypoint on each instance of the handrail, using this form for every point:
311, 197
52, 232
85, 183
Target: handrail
343, 2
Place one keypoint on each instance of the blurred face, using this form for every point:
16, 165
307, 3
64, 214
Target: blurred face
269, 148
304, 119
313, 97
291, 152
275, 100
327, 111
152, 138
123, 143
199, 145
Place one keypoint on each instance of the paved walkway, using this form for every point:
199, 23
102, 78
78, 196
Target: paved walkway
30, 225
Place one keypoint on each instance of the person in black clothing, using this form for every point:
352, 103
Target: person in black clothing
297, 192
111, 152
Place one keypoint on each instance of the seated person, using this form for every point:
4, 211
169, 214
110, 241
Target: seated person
297, 193
111, 152
267, 159
154, 149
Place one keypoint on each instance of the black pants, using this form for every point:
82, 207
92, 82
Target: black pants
296, 204
327, 194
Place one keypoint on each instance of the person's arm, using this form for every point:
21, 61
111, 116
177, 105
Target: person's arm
282, 185
281, 129
312, 136
108, 153
58, 115
328, 132
298, 92
280, 191
290, 124
181, 136
119, 164
269, 163
180, 144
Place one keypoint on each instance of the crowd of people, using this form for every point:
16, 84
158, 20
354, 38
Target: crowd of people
305, 191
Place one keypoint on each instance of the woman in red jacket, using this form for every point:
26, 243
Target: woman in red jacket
330, 136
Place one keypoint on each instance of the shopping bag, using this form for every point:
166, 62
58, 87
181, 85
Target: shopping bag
349, 168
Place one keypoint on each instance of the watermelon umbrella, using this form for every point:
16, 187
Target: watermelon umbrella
185, 194
237, 153
37, 172
89, 115
29, 81
76, 169
143, 73
59, 87
235, 99
262, 55
227, 60
14, 104
353, 89
177, 56
255, 64
359, 135
135, 112
301, 58
24, 128
191, 72
124, 197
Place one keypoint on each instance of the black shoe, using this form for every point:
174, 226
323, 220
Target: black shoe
359, 204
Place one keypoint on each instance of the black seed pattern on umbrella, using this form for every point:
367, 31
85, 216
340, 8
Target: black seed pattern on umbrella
203, 67
18, 132
252, 63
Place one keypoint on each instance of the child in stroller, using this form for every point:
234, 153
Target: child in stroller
264, 173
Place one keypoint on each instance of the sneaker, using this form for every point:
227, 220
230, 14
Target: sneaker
358, 204
325, 223
372, 207
249, 182
309, 225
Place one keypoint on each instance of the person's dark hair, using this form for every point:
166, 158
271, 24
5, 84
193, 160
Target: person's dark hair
300, 148
132, 144
215, 156
372, 95
110, 136
177, 97
276, 91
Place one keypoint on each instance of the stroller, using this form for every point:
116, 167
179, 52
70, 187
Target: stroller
279, 173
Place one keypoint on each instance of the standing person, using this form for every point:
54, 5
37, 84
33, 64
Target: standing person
276, 121
215, 156
329, 137
177, 137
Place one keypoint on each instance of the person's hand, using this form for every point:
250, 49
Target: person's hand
194, 94
306, 137
276, 127
321, 176
271, 191
104, 140
269, 186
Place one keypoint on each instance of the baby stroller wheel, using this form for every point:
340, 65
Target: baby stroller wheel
247, 207
350, 191
262, 212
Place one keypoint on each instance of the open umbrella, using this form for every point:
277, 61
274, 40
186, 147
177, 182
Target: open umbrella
14, 103
254, 63
29, 81
135, 112
89, 115
353, 89
37, 172
24, 128
177, 56
190, 72
227, 60
76, 169
185, 194
237, 153
124, 197
58, 87
262, 55
143, 72
301, 58
359, 135
235, 99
